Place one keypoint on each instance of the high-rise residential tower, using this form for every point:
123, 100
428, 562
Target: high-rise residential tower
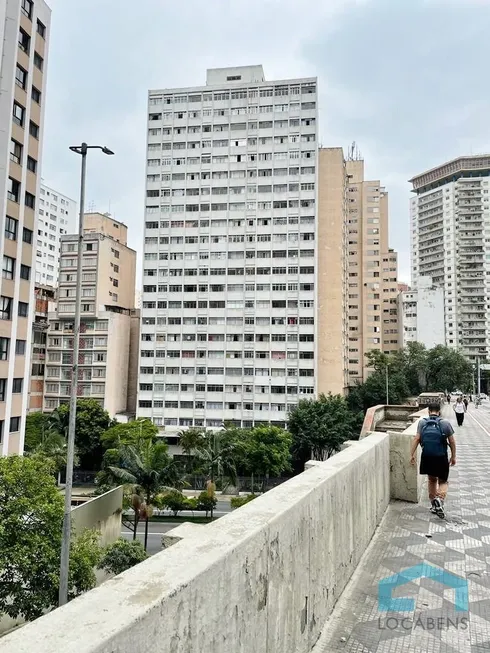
24, 36
332, 305
450, 234
57, 215
371, 272
228, 305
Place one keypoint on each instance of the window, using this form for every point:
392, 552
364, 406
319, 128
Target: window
27, 235
14, 424
41, 29
26, 8
15, 151
23, 309
30, 200
13, 190
18, 114
8, 267
33, 129
21, 77
25, 272
11, 228
36, 95
38, 61
3, 388
17, 386
20, 347
31, 164
5, 308
4, 348
24, 41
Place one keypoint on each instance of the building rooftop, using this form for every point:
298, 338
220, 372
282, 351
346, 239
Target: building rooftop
450, 171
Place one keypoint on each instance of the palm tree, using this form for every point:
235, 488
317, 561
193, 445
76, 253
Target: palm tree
149, 469
52, 445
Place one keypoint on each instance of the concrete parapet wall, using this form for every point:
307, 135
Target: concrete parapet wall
262, 579
102, 513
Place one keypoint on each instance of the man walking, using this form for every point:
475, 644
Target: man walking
460, 409
434, 436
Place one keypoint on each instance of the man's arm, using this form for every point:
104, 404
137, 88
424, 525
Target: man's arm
413, 448
452, 445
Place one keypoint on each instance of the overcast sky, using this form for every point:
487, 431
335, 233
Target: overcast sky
406, 79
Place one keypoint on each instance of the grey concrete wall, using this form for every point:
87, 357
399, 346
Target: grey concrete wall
262, 579
102, 513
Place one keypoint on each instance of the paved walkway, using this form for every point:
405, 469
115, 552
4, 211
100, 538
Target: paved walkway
410, 535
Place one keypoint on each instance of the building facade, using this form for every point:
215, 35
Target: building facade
57, 215
450, 242
24, 40
332, 315
108, 319
372, 284
421, 314
228, 304
44, 298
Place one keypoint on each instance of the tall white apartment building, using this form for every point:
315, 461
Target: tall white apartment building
228, 304
450, 234
57, 215
24, 43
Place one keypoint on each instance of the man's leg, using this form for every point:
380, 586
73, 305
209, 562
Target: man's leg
432, 487
442, 489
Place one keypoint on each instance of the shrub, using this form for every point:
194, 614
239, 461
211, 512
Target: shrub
122, 555
206, 503
174, 500
238, 502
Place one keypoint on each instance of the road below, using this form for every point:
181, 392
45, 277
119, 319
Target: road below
158, 528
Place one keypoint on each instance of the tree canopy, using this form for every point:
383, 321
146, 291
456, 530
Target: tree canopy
92, 422
31, 516
320, 426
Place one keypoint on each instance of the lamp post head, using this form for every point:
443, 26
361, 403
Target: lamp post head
106, 150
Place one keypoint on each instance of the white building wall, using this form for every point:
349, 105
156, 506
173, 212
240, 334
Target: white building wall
57, 215
450, 233
228, 301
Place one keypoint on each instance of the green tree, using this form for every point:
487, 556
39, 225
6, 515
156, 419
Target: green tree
148, 467
122, 555
36, 424
52, 446
92, 421
415, 367
319, 427
31, 516
448, 369
130, 433
268, 451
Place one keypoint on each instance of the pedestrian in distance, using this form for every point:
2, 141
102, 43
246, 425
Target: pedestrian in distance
465, 401
460, 409
435, 435
448, 398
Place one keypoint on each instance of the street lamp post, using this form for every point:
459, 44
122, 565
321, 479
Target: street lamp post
66, 533
387, 386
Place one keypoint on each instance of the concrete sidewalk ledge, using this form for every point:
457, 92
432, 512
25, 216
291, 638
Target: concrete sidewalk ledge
262, 579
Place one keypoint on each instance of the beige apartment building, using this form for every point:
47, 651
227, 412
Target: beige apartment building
357, 272
332, 356
24, 35
108, 358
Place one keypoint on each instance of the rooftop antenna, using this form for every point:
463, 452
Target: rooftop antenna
91, 207
354, 153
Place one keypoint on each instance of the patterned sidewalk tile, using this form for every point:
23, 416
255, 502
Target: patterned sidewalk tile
460, 544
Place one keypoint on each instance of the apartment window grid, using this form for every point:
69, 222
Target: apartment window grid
232, 286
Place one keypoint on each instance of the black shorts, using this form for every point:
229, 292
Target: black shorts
437, 466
